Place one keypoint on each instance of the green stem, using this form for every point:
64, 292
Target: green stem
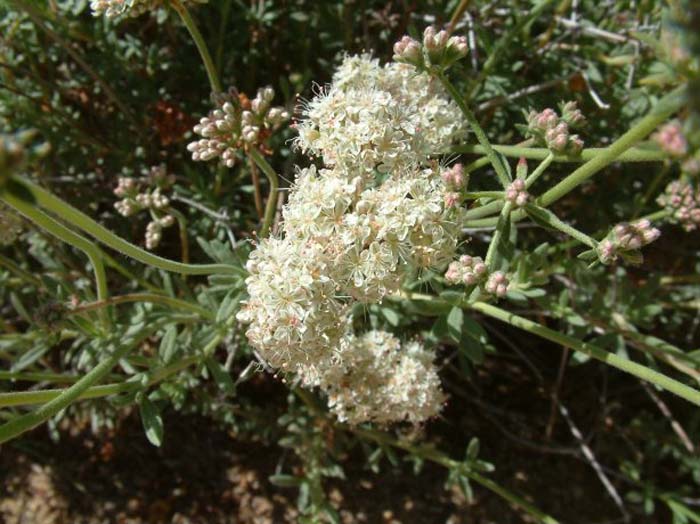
22, 398
493, 157
214, 81
479, 163
473, 195
639, 371
658, 215
482, 211
184, 241
491, 260
271, 206
666, 107
23, 423
440, 458
22, 376
555, 222
637, 154
72, 239
145, 297
539, 170
85, 223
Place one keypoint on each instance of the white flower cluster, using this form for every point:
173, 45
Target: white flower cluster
351, 238
10, 225
342, 244
381, 381
236, 123
374, 117
131, 8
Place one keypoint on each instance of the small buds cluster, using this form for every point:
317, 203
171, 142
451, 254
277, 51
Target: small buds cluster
154, 230
467, 270
471, 271
438, 49
455, 182
497, 284
516, 193
236, 123
554, 131
626, 238
682, 199
454, 178
671, 139
10, 225
134, 201
136, 198
130, 8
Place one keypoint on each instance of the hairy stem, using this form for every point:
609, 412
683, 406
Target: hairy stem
539, 170
476, 128
637, 154
271, 205
628, 366
491, 259
145, 297
23, 423
667, 106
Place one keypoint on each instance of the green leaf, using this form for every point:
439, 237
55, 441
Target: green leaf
473, 449
539, 215
228, 306
453, 298
285, 481
391, 316
472, 349
168, 345
152, 422
221, 376
455, 322
19, 191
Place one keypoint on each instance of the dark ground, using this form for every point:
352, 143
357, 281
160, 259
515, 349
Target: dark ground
205, 474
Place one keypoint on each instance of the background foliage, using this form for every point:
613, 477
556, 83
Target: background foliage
115, 99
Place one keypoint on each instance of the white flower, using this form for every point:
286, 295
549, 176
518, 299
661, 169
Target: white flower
295, 318
379, 117
351, 237
380, 381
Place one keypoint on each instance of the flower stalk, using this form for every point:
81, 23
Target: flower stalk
271, 206
489, 151
86, 224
